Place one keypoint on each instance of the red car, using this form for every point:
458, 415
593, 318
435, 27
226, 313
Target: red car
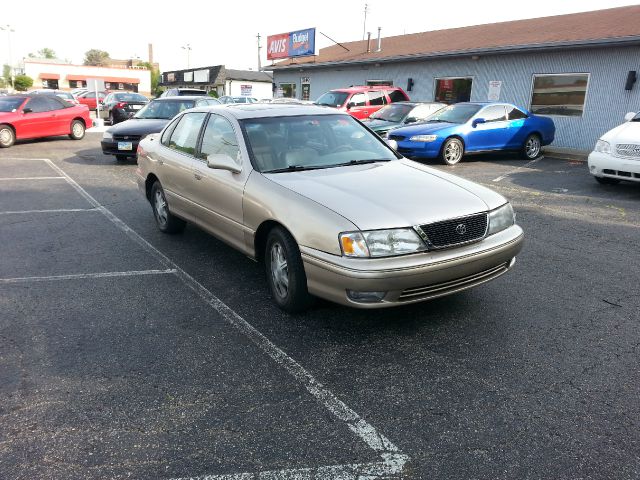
36, 116
361, 102
89, 99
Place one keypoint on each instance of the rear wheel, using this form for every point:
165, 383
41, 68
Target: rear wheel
452, 151
7, 136
77, 130
532, 146
285, 272
607, 181
166, 222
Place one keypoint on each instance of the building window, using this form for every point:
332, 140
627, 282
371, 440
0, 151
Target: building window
77, 84
288, 90
562, 94
48, 83
453, 90
376, 83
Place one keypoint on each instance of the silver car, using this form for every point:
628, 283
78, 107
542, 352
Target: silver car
328, 207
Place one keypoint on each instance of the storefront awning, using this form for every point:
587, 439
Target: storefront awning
106, 79
50, 76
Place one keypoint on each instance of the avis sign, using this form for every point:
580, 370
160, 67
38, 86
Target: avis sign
293, 44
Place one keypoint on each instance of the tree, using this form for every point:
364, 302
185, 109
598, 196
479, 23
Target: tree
6, 74
96, 57
43, 53
155, 77
22, 82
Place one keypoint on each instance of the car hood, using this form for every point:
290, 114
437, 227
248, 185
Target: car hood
389, 194
138, 126
424, 128
628, 132
377, 125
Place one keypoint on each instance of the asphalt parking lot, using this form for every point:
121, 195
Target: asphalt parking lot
126, 353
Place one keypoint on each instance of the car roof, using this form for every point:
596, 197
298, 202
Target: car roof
364, 88
243, 111
180, 98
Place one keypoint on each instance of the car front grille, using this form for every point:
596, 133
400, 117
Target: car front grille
621, 173
457, 231
444, 288
397, 138
127, 138
628, 150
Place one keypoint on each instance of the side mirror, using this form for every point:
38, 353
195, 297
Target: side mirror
410, 120
629, 116
220, 161
477, 121
350, 105
27, 110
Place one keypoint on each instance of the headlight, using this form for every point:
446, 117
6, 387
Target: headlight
381, 243
424, 138
501, 218
603, 147
107, 136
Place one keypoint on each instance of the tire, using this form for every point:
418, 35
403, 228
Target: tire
167, 223
7, 136
288, 282
77, 130
607, 181
121, 158
531, 147
452, 151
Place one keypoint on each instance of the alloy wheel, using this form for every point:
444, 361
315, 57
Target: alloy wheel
532, 147
279, 270
161, 208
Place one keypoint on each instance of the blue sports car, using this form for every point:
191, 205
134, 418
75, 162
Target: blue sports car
470, 127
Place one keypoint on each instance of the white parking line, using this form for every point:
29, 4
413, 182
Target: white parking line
392, 458
516, 170
54, 278
56, 210
7, 179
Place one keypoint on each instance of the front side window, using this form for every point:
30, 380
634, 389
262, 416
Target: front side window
219, 138
358, 100
494, 113
377, 98
559, 94
185, 136
40, 104
453, 90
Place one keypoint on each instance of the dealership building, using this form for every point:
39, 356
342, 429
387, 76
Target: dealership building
222, 80
579, 69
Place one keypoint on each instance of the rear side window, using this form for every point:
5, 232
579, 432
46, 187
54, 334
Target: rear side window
358, 100
397, 96
377, 98
185, 136
515, 113
494, 113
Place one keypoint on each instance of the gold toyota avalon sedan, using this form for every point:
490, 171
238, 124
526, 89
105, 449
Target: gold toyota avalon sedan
329, 208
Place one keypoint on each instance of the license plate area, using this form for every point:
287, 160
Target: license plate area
125, 146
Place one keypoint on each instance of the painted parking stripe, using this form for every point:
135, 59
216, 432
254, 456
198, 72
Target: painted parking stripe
366, 432
8, 179
55, 210
54, 278
516, 170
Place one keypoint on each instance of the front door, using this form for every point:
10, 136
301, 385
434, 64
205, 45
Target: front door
39, 122
490, 135
218, 193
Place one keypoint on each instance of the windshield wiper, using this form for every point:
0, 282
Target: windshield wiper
361, 162
294, 168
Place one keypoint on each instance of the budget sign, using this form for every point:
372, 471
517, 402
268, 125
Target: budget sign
293, 44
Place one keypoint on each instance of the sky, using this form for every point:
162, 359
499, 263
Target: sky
224, 33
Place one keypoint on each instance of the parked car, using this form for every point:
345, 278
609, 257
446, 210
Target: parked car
178, 92
37, 116
362, 101
78, 91
326, 205
291, 101
229, 99
467, 128
399, 114
122, 139
616, 155
89, 99
120, 106
66, 96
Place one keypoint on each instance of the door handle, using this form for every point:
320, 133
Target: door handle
198, 175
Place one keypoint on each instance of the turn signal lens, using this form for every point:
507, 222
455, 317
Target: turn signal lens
353, 245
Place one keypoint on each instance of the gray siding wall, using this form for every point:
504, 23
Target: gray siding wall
606, 103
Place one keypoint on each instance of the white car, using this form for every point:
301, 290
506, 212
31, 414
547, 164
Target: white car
617, 153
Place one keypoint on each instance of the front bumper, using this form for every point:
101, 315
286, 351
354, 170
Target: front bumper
606, 165
411, 278
110, 147
419, 149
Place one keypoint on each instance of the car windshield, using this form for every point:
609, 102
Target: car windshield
280, 144
164, 109
332, 99
459, 113
129, 97
392, 113
9, 104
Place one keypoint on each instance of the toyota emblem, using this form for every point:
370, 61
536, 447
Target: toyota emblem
461, 229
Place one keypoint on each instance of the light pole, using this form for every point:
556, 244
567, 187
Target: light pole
9, 30
187, 47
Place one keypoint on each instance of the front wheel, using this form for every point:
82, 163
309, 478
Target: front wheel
166, 221
607, 181
285, 272
77, 130
532, 146
452, 151
7, 136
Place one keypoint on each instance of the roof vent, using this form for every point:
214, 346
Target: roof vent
379, 49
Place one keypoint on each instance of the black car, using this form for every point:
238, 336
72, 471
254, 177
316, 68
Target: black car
120, 106
122, 139
179, 92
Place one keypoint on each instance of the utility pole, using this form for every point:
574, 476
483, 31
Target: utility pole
187, 47
259, 60
364, 28
9, 30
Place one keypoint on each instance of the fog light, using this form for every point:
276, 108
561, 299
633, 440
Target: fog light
365, 297
592, 168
